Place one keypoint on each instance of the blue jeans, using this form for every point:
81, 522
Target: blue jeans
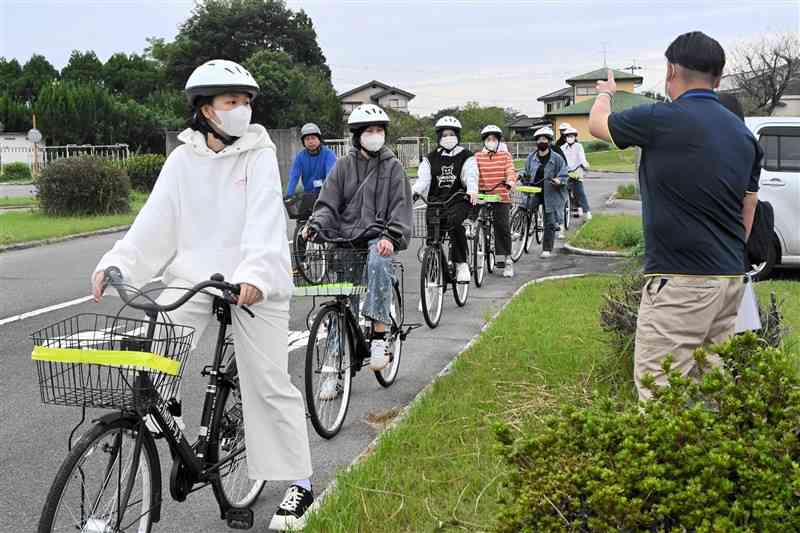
378, 275
550, 221
580, 193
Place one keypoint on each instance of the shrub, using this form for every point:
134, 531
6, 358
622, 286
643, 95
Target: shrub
84, 186
143, 170
628, 191
16, 172
718, 455
596, 146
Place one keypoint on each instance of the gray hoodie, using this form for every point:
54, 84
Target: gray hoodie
365, 198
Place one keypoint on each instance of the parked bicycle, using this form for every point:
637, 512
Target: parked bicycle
522, 221
110, 480
339, 343
481, 231
438, 270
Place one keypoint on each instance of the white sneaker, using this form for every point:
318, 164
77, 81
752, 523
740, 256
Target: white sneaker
561, 234
463, 274
588, 215
545, 254
329, 389
508, 271
580, 211
378, 357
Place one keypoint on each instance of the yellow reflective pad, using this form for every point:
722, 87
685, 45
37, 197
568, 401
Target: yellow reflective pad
529, 189
489, 197
143, 360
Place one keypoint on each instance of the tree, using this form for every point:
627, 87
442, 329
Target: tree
407, 125
14, 115
10, 74
762, 70
474, 117
235, 30
133, 75
36, 73
293, 93
83, 66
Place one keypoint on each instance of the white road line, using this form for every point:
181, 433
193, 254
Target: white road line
51, 308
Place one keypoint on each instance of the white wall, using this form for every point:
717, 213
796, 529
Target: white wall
15, 148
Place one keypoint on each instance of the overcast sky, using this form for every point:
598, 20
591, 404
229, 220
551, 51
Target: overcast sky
498, 52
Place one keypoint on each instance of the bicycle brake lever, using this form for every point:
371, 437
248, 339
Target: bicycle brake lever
248, 311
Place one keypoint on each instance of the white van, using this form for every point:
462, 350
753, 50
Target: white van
780, 184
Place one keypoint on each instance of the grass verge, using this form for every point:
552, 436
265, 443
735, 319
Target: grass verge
613, 160
17, 201
610, 232
628, 192
33, 225
438, 469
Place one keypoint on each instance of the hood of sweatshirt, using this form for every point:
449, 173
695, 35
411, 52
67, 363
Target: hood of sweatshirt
255, 138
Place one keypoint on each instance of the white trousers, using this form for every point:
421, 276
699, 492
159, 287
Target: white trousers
276, 434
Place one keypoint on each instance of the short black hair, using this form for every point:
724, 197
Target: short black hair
732, 104
697, 51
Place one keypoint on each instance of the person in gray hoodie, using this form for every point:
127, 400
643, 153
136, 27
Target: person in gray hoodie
366, 200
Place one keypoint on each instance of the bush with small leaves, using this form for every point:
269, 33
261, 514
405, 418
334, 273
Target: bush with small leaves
596, 146
143, 170
84, 186
718, 454
16, 172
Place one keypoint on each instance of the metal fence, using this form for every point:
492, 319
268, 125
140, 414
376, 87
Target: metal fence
38, 157
409, 150
518, 149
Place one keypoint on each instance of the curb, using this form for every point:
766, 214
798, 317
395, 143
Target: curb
596, 253
425, 390
54, 240
611, 200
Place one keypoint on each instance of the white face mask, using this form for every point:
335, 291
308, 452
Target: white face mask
491, 145
571, 139
448, 143
234, 122
372, 142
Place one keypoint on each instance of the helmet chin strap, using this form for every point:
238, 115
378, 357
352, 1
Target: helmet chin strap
206, 127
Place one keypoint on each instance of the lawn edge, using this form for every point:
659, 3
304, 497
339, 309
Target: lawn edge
427, 388
596, 253
54, 240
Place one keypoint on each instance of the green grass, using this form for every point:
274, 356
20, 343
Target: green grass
438, 470
788, 292
17, 201
33, 225
613, 160
628, 191
609, 232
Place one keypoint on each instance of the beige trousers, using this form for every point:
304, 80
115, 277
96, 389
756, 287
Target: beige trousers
276, 434
678, 315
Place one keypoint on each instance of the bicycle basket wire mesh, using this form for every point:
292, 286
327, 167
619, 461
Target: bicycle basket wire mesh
105, 361
322, 269
420, 230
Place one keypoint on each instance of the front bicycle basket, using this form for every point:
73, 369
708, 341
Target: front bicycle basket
420, 230
322, 269
92, 360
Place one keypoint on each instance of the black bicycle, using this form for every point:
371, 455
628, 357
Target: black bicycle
438, 271
310, 266
338, 343
110, 481
522, 221
482, 232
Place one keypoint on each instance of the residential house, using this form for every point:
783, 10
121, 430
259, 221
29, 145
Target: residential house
524, 126
375, 92
572, 104
789, 104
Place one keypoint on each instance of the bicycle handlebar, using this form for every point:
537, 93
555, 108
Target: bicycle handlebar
503, 183
113, 276
445, 203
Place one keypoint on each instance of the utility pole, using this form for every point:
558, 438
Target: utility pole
634, 67
605, 54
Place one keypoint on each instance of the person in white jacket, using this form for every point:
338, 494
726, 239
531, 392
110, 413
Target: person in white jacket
577, 164
217, 207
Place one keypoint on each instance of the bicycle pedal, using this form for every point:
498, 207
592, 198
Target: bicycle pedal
239, 518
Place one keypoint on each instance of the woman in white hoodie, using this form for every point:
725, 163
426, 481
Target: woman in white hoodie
217, 207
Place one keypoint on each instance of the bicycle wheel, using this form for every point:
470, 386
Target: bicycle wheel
538, 220
528, 232
489, 237
431, 286
108, 482
567, 213
479, 256
329, 355
519, 234
394, 343
233, 488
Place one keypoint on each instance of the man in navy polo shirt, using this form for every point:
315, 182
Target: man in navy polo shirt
699, 181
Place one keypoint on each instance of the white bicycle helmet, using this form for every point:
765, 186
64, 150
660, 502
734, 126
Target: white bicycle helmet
564, 126
570, 131
491, 129
448, 123
367, 115
310, 129
220, 76
545, 131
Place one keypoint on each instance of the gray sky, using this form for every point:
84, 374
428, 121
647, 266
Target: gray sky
496, 52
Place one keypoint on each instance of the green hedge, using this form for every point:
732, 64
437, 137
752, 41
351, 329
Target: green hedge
143, 170
84, 186
596, 146
16, 172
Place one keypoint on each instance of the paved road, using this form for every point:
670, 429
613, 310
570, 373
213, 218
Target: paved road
17, 190
34, 436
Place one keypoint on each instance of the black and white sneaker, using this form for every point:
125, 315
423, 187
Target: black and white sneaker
292, 513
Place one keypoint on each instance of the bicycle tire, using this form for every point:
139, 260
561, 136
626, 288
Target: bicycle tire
567, 213
528, 232
490, 258
479, 256
539, 224
226, 432
341, 368
88, 447
519, 227
388, 375
431, 286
